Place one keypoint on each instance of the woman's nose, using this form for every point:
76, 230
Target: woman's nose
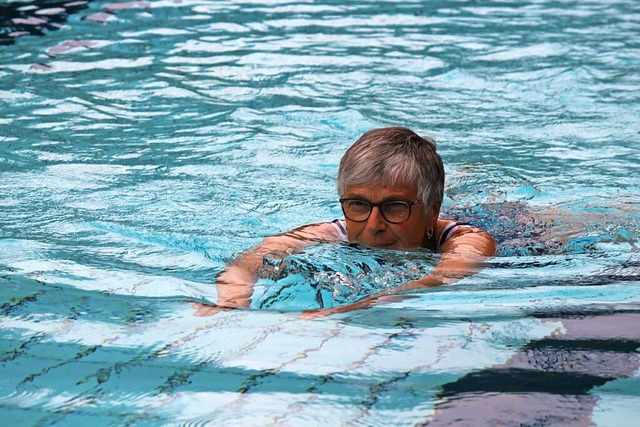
376, 221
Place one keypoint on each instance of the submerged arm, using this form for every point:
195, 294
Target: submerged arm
235, 283
462, 255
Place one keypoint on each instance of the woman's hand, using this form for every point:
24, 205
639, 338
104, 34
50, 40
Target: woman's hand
206, 310
384, 297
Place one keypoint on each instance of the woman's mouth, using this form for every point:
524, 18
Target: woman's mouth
380, 245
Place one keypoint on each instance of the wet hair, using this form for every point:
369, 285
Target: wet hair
394, 156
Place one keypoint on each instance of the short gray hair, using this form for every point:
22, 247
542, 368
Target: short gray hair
394, 156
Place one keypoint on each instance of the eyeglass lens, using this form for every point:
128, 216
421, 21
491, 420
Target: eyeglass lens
393, 211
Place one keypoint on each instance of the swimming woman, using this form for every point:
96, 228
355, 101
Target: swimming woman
391, 186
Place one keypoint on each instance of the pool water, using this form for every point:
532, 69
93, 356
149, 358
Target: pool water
144, 144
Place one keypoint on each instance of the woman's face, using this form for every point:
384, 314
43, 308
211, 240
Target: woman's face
376, 232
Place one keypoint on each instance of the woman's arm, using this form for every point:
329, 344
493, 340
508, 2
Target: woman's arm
462, 255
235, 283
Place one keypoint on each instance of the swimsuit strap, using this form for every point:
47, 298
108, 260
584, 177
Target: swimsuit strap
340, 225
448, 230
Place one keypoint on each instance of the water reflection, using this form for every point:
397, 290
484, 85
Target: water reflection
34, 18
550, 381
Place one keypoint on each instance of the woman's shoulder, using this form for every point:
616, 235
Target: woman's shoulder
321, 231
452, 233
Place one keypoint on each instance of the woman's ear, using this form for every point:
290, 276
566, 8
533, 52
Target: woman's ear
434, 211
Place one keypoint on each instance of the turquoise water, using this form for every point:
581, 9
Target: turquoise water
144, 144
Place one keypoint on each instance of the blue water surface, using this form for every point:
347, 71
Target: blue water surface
144, 144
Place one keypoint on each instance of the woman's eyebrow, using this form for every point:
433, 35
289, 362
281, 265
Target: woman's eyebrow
397, 198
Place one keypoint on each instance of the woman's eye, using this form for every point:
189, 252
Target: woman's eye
395, 206
359, 205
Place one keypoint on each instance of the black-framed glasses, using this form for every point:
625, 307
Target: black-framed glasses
393, 211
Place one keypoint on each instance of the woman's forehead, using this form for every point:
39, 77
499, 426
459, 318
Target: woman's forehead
381, 189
